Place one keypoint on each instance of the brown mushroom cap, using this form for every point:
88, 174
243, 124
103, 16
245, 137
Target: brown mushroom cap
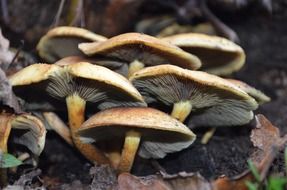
63, 41
160, 133
115, 65
34, 134
147, 49
218, 55
259, 96
83, 77
214, 101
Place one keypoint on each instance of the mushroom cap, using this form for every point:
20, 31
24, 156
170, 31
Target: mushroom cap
63, 41
115, 65
34, 139
34, 134
91, 82
160, 133
142, 47
214, 100
259, 96
218, 55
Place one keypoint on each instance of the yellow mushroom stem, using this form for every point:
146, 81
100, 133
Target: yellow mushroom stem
5, 129
131, 144
181, 110
208, 135
76, 112
134, 67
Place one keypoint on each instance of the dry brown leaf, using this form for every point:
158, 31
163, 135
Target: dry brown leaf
127, 181
182, 181
266, 138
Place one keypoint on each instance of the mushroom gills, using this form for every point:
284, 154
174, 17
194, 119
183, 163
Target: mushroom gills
212, 105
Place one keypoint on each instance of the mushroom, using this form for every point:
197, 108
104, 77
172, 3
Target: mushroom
76, 84
141, 50
63, 41
212, 100
158, 132
218, 55
33, 137
259, 96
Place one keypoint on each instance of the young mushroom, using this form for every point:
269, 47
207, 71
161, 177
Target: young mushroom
157, 132
77, 85
218, 55
33, 137
141, 50
63, 41
210, 100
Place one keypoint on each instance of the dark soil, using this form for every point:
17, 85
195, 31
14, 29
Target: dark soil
265, 41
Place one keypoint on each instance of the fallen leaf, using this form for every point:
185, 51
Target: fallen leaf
104, 177
266, 138
6, 56
7, 97
182, 181
127, 181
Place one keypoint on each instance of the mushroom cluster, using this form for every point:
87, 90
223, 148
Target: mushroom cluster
124, 80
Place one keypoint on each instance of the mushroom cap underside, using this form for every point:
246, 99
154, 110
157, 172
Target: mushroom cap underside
63, 41
215, 101
218, 55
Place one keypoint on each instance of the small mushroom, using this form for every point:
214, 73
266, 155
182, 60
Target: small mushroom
218, 55
76, 84
33, 137
212, 100
63, 41
158, 132
141, 50
259, 96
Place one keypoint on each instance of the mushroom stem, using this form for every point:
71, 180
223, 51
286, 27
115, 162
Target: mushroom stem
76, 112
5, 129
181, 110
58, 126
131, 144
135, 66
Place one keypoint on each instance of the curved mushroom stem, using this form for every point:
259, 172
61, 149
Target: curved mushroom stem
76, 112
181, 110
5, 129
134, 67
58, 126
131, 144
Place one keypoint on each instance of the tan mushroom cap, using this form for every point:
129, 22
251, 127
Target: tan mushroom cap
218, 55
39, 72
214, 100
145, 48
160, 133
33, 139
259, 96
63, 41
